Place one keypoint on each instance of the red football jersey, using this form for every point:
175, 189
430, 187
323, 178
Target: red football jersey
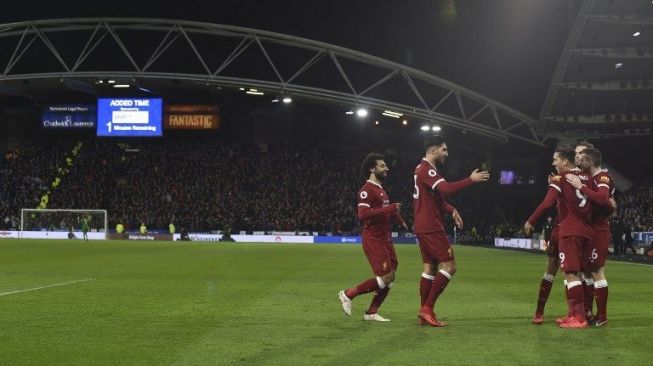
559, 214
374, 196
601, 214
428, 202
575, 208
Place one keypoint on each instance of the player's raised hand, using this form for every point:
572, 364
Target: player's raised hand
549, 178
528, 228
458, 220
479, 176
573, 180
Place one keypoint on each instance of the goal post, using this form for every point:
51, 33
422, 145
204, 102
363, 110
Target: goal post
63, 220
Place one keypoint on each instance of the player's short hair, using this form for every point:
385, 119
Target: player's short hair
566, 152
595, 156
433, 140
587, 144
369, 163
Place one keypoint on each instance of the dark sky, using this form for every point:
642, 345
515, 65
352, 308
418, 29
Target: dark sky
505, 49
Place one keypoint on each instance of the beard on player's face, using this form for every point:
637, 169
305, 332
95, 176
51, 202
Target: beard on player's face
582, 166
381, 175
584, 163
442, 154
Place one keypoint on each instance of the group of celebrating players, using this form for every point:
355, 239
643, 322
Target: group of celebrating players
583, 194
579, 244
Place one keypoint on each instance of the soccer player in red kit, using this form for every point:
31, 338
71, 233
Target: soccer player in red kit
430, 206
552, 267
575, 230
601, 193
586, 276
376, 212
553, 262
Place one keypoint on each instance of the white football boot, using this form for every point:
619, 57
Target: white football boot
346, 303
375, 317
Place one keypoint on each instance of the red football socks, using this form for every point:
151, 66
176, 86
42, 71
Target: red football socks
575, 291
545, 290
601, 293
440, 282
377, 300
425, 284
362, 288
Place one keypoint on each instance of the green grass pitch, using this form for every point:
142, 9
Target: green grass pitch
194, 304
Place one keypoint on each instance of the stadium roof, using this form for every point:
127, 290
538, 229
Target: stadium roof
604, 79
82, 52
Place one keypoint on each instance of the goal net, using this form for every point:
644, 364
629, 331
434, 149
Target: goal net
64, 220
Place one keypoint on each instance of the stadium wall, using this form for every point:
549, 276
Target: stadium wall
49, 235
642, 238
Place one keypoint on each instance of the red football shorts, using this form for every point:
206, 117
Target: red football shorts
597, 251
571, 250
381, 255
435, 247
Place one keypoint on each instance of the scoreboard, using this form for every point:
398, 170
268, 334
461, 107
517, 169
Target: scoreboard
129, 117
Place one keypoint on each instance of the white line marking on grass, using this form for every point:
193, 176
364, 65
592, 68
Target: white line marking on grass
612, 261
48, 286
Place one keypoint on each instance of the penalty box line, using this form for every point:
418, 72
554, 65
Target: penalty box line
47, 286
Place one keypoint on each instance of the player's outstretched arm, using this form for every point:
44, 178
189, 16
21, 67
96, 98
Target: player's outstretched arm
449, 188
365, 212
546, 204
478, 176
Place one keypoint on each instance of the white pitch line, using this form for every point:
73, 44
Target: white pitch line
631, 263
48, 286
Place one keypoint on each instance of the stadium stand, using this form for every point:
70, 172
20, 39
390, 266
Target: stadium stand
208, 184
636, 206
26, 174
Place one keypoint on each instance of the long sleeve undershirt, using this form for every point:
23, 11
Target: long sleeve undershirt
546, 204
449, 188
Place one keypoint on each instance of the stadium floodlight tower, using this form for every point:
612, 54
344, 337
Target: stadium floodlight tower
64, 220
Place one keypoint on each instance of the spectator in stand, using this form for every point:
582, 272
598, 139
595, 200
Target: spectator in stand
617, 228
628, 239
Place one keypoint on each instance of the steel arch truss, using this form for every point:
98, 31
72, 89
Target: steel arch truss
591, 94
75, 50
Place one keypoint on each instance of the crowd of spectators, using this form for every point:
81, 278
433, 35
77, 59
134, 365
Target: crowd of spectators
636, 206
207, 184
204, 184
211, 184
25, 174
